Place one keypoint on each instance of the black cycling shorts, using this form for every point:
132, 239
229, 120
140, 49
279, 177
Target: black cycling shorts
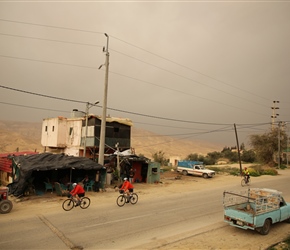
81, 195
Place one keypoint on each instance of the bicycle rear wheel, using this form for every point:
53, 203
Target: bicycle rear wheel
121, 200
85, 202
68, 204
134, 198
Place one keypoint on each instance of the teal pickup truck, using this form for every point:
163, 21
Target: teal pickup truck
255, 209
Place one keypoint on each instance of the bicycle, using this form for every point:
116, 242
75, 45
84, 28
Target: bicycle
124, 198
71, 202
245, 181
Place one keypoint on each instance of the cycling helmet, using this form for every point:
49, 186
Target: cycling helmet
74, 184
125, 178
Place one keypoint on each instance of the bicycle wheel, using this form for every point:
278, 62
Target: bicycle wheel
134, 198
249, 182
121, 200
85, 202
68, 204
243, 183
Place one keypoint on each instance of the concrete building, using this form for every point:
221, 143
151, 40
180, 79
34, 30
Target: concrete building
68, 135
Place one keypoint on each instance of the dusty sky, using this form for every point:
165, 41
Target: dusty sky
187, 69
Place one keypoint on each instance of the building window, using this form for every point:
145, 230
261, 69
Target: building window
52, 128
45, 128
70, 130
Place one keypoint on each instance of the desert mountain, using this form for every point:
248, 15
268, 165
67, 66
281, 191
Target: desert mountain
26, 136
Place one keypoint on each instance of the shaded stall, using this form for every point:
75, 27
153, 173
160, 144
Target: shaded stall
47, 167
144, 170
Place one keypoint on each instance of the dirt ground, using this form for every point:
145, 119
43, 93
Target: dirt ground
219, 236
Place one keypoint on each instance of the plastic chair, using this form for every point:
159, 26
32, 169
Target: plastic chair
59, 190
90, 185
48, 186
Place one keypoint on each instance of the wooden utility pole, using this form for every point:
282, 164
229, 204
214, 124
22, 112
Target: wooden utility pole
238, 147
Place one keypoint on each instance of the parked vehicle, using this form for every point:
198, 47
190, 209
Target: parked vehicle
5, 204
194, 168
255, 209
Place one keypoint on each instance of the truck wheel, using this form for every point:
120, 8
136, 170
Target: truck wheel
184, 172
205, 176
5, 206
265, 228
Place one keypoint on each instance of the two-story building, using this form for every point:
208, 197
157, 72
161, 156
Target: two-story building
68, 135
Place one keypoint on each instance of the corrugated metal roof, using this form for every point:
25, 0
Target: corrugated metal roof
5, 162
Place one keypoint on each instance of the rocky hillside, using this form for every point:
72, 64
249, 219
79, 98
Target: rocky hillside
26, 136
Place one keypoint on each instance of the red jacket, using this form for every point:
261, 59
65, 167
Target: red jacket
77, 190
126, 185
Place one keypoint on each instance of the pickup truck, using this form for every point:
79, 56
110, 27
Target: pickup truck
255, 209
190, 167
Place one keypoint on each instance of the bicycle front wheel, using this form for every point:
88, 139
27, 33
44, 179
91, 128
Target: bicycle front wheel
243, 183
85, 202
68, 204
121, 200
134, 198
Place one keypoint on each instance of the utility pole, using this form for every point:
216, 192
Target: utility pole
118, 160
279, 141
274, 115
103, 122
86, 130
287, 143
238, 147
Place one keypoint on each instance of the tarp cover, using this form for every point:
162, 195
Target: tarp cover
46, 161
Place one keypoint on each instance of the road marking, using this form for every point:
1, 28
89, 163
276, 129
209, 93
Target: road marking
59, 234
124, 219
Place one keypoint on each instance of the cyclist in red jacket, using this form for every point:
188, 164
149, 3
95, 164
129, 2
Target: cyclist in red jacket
127, 187
77, 192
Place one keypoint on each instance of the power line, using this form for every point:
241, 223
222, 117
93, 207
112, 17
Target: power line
138, 47
74, 65
31, 107
37, 94
50, 40
189, 79
168, 71
50, 26
181, 65
114, 109
35, 60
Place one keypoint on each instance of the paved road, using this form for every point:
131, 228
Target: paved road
160, 221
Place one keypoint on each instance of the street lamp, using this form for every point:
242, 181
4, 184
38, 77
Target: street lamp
88, 106
103, 122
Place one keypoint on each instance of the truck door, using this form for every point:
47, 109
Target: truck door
284, 210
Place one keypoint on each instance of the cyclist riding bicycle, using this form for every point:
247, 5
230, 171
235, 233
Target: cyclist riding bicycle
127, 187
77, 192
246, 174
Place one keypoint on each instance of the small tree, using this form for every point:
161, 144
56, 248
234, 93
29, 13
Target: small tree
192, 157
160, 157
248, 156
266, 145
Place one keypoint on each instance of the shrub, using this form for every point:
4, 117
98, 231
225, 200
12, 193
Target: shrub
269, 171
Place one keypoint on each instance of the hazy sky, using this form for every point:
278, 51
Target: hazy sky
189, 69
